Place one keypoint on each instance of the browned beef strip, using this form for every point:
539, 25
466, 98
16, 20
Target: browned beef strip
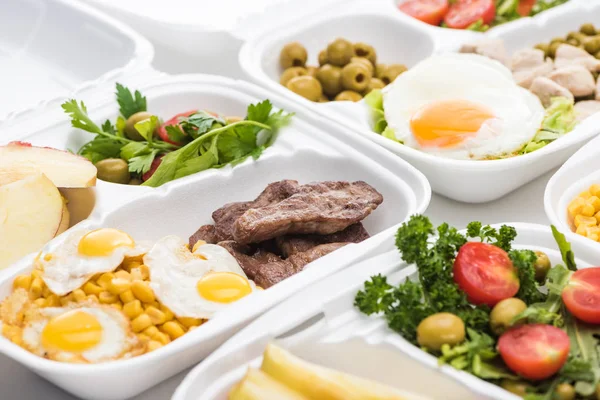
208, 233
226, 216
299, 260
317, 208
292, 244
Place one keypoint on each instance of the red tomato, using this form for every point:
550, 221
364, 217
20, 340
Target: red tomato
525, 6
534, 351
429, 11
582, 295
155, 164
162, 130
464, 13
485, 273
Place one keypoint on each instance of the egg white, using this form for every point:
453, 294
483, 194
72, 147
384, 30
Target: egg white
518, 113
175, 272
117, 338
67, 270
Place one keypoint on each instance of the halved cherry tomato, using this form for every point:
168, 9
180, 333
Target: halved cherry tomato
582, 295
162, 130
534, 351
153, 167
464, 13
525, 7
429, 11
485, 273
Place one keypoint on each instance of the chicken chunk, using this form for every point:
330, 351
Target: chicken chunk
577, 79
567, 55
491, 48
528, 64
546, 89
584, 109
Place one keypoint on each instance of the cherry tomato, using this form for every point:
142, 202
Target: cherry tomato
464, 13
162, 130
153, 167
429, 11
485, 273
582, 295
534, 351
525, 7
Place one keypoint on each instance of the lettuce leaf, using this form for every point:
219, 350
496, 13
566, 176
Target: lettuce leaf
559, 120
375, 102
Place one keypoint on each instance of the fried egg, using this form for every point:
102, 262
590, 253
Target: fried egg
195, 284
462, 106
84, 333
67, 264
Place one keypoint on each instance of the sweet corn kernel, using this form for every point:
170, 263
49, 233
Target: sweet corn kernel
129, 265
153, 345
587, 210
151, 331
593, 230
36, 288
133, 309
41, 302
119, 285
91, 288
105, 279
36, 273
162, 338
585, 194
593, 236
158, 317
594, 201
13, 333
143, 337
188, 322
142, 291
66, 299
595, 190
173, 329
79, 295
136, 274
168, 313
108, 298
117, 306
46, 292
581, 230
575, 207
141, 322
93, 298
145, 271
585, 221
53, 301
154, 304
22, 281
191, 328
121, 274
127, 296
198, 244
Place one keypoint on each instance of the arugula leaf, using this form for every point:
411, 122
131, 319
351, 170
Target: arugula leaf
543, 5
147, 127
171, 162
565, 249
129, 104
584, 346
207, 160
142, 163
478, 26
524, 261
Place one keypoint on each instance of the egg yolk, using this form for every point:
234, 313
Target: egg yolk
223, 287
447, 123
74, 331
102, 242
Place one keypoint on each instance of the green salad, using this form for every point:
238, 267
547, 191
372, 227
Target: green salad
140, 148
505, 315
559, 119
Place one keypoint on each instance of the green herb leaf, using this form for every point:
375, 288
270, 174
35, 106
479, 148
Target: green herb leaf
147, 127
176, 134
142, 163
524, 261
100, 148
128, 103
376, 297
565, 249
584, 347
133, 149
199, 123
207, 160
108, 127
79, 117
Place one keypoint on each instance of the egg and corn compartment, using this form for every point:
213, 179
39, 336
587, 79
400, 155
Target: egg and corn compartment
98, 295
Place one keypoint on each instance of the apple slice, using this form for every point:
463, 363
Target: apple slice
257, 385
65, 219
64, 169
31, 210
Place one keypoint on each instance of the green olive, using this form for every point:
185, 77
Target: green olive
598, 391
113, 170
290, 73
364, 62
323, 57
380, 70
130, 130
323, 99
135, 181
348, 95
306, 86
515, 387
543, 47
293, 55
542, 266
356, 76
339, 52
580, 37
439, 329
374, 84
564, 391
558, 40
364, 50
552, 49
588, 29
330, 77
312, 71
573, 42
592, 45
392, 72
504, 313
597, 55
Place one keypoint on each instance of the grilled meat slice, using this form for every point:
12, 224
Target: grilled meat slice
208, 233
299, 260
292, 244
